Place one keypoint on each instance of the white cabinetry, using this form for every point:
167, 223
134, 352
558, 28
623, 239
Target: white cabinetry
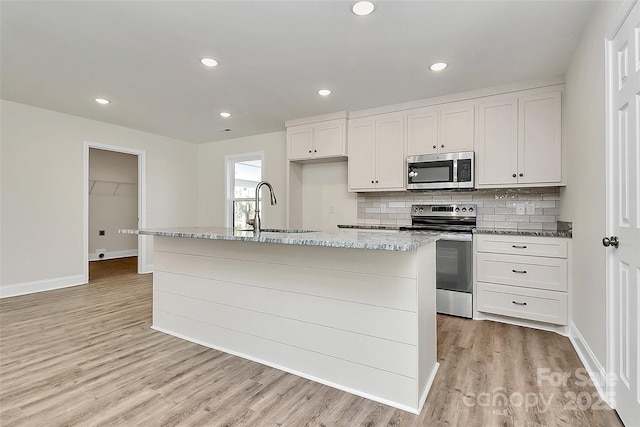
376, 153
443, 129
523, 277
320, 140
519, 140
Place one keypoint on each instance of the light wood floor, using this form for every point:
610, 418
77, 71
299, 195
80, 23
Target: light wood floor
87, 356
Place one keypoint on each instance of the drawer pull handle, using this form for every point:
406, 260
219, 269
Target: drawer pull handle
519, 271
519, 303
519, 247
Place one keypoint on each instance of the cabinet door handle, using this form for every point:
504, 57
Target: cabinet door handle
309, 150
520, 174
519, 271
514, 175
519, 246
376, 181
372, 181
434, 146
315, 151
519, 303
442, 146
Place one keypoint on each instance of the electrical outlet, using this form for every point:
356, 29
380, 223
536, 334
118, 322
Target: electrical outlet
101, 233
520, 209
531, 208
383, 208
332, 209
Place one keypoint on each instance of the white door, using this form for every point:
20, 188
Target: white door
623, 219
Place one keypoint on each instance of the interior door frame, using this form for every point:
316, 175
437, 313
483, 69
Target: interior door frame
610, 171
142, 202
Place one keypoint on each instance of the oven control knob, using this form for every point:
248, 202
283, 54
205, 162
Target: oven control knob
421, 210
464, 209
470, 209
457, 209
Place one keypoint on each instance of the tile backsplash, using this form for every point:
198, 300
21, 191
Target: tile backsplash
496, 208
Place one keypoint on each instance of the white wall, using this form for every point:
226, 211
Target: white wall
211, 176
42, 191
326, 201
113, 203
583, 200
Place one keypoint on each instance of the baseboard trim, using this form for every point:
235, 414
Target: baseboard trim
16, 289
596, 371
147, 269
93, 256
427, 388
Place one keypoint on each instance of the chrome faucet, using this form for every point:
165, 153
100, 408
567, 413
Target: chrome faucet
257, 224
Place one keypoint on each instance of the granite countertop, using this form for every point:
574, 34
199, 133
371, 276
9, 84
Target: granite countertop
351, 239
541, 233
506, 232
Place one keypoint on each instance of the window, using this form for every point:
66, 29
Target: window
244, 172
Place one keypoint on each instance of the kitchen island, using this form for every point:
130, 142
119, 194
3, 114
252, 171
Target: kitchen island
352, 309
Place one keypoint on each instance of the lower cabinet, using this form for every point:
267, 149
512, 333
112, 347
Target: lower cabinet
523, 277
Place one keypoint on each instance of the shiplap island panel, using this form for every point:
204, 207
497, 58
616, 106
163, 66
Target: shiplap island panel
352, 309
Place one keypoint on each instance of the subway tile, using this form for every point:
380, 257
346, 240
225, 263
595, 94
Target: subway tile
446, 198
396, 204
486, 211
550, 226
529, 226
403, 222
374, 221
372, 210
543, 218
493, 218
518, 218
507, 225
505, 211
553, 211
486, 224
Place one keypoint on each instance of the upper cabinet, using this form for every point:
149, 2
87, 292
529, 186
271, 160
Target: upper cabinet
323, 139
519, 140
440, 129
376, 153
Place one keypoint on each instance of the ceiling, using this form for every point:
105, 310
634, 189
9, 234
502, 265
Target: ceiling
273, 57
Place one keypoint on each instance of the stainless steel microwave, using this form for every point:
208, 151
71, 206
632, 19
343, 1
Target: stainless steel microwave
441, 171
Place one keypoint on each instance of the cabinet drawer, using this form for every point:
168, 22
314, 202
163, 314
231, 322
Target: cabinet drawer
522, 245
526, 271
531, 304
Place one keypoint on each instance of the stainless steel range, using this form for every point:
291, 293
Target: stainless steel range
454, 253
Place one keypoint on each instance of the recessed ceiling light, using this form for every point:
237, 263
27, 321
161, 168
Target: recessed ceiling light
209, 62
362, 8
438, 66
324, 92
225, 114
102, 101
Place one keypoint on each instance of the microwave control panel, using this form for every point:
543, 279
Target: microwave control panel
464, 170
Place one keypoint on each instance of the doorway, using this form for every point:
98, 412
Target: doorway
110, 190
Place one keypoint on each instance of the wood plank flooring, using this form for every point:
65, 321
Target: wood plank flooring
86, 356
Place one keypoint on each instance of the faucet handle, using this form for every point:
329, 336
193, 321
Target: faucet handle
251, 221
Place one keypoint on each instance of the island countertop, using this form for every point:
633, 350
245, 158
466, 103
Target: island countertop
351, 239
